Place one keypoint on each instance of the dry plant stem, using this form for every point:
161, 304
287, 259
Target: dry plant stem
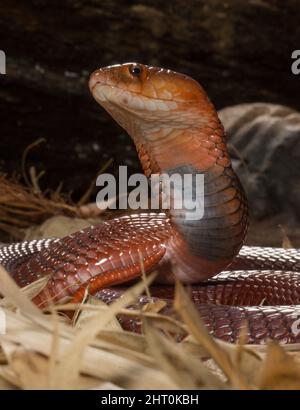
286, 242
36, 347
23, 206
170, 357
24, 157
20, 206
85, 197
69, 369
126, 312
67, 334
112, 365
54, 352
189, 314
10, 289
79, 309
144, 276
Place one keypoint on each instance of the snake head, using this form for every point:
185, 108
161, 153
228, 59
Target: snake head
138, 95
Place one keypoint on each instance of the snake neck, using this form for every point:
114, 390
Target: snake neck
219, 233
200, 147
198, 142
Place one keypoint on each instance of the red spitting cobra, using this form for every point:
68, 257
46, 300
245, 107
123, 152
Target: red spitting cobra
176, 130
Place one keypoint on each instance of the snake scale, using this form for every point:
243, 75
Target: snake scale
176, 129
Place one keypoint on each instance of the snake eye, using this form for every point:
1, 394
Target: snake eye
135, 70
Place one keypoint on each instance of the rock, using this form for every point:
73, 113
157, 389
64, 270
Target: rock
265, 146
58, 227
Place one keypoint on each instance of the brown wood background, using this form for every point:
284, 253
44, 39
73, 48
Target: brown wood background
239, 50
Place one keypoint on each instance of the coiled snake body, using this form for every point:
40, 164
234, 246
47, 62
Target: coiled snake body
176, 130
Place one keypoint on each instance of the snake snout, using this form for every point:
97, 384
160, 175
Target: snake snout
95, 78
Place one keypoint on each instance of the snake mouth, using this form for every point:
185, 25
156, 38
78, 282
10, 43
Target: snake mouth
130, 100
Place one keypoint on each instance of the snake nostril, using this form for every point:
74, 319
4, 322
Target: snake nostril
92, 82
95, 78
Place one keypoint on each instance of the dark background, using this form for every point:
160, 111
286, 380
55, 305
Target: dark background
240, 51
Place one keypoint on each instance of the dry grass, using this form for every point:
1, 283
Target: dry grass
40, 350
24, 205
